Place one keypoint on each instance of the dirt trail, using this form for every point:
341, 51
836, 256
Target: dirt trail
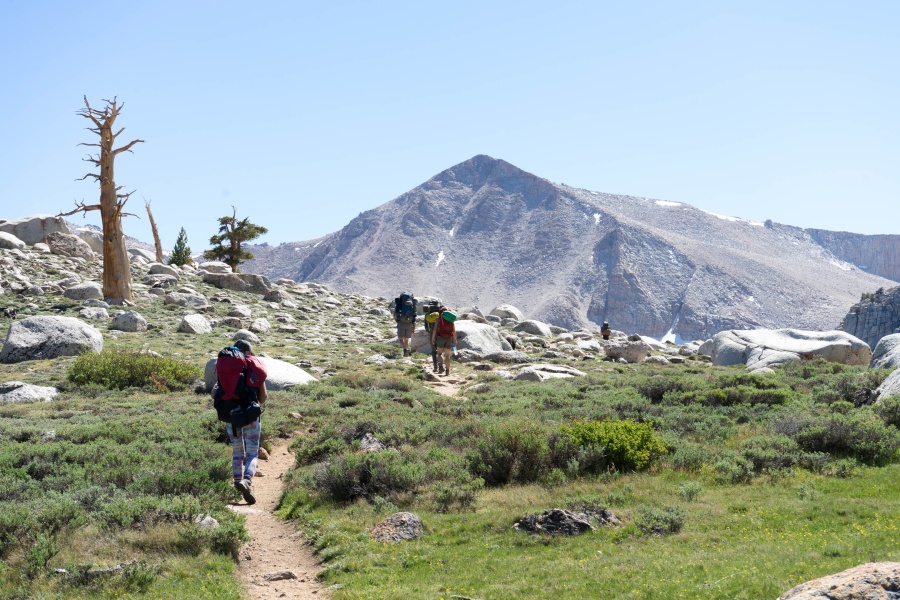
276, 546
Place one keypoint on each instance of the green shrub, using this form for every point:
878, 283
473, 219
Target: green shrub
689, 490
630, 445
42, 550
733, 468
660, 521
460, 493
350, 476
690, 457
516, 451
860, 434
889, 410
771, 452
116, 370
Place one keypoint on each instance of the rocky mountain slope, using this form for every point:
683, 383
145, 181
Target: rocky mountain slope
485, 232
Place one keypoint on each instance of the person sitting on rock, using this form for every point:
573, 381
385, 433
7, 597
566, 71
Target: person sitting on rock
443, 338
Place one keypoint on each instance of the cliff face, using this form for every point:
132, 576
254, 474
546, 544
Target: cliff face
876, 254
485, 233
876, 316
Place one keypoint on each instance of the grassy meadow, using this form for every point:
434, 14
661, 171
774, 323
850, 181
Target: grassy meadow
727, 485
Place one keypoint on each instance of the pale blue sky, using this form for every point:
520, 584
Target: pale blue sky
304, 114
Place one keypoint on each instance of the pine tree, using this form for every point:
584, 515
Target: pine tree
181, 253
232, 234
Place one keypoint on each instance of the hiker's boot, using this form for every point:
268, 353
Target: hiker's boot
246, 489
440, 369
405, 352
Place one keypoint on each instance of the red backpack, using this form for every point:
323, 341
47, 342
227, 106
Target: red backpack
444, 328
231, 370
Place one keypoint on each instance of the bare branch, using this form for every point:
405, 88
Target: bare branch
115, 135
89, 113
91, 145
92, 160
127, 147
81, 207
94, 175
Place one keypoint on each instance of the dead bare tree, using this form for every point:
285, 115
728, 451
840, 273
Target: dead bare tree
156, 242
116, 267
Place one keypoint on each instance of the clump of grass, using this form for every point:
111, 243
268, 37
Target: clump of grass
117, 370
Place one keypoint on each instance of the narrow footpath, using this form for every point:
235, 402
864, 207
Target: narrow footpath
275, 563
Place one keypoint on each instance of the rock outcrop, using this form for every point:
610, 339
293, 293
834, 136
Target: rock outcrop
44, 337
875, 316
239, 282
889, 387
18, 391
766, 348
8, 241
887, 353
34, 228
871, 581
67, 244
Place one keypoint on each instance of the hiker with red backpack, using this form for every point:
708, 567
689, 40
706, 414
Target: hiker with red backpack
443, 338
238, 398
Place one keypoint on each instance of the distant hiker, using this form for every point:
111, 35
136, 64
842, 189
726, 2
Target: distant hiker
444, 337
430, 309
238, 397
605, 331
405, 316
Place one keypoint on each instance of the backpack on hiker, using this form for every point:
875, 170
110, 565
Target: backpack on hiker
445, 326
405, 308
236, 401
431, 310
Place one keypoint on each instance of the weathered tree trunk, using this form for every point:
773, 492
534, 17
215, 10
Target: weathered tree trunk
156, 242
117, 287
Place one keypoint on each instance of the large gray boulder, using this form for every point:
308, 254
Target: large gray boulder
8, 242
534, 328
18, 391
130, 321
759, 348
887, 353
92, 238
281, 375
147, 255
66, 244
889, 387
480, 338
508, 311
89, 290
186, 299
34, 228
194, 324
215, 267
869, 581
239, 282
44, 337
629, 350
161, 269
543, 372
